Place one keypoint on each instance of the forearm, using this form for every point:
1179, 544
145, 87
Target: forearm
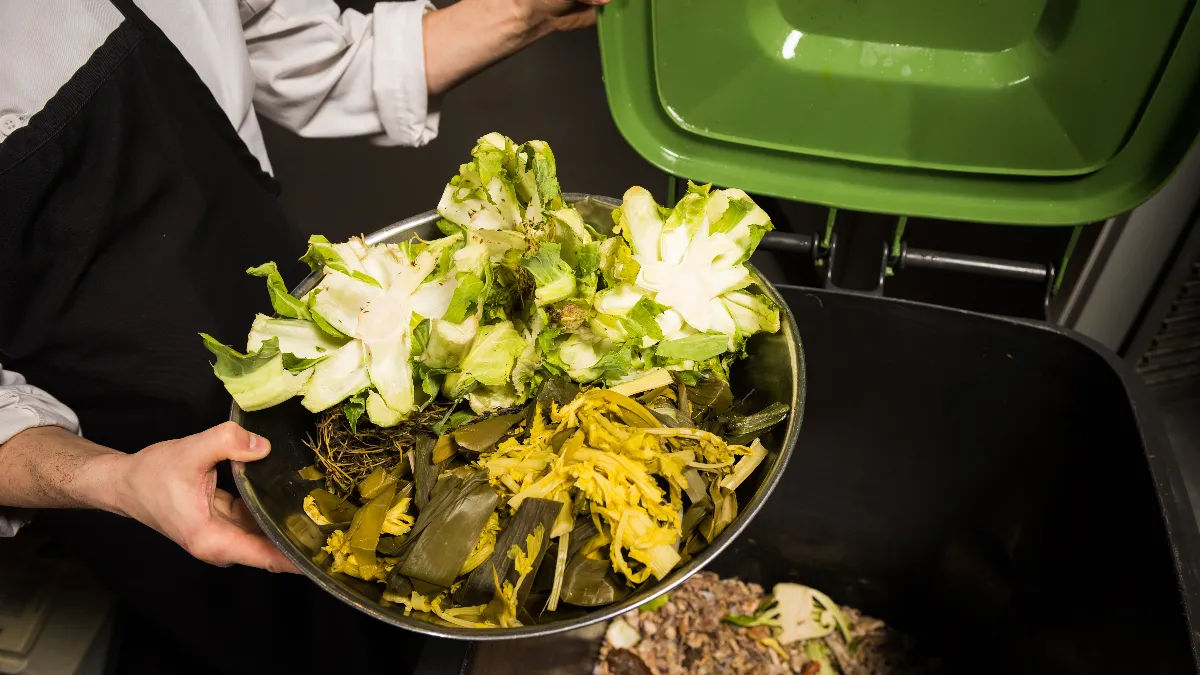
469, 35
49, 467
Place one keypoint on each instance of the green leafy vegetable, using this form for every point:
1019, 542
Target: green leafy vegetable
587, 258
687, 263
284, 303
642, 319
379, 413
554, 277
545, 173
420, 337
615, 364
449, 342
491, 357
299, 338
354, 409
337, 378
339, 300
295, 364
466, 298
322, 323
751, 313
520, 289
742, 429
657, 603
257, 380
694, 347
741, 620
322, 254
453, 420
616, 262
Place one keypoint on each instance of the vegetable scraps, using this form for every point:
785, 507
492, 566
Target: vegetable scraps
578, 504
522, 390
519, 289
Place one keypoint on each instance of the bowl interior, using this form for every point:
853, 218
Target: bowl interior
274, 491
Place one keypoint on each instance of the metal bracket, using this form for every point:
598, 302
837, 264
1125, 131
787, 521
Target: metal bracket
892, 260
830, 258
1015, 270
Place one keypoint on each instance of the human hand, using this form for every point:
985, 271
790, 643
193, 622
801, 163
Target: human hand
172, 487
560, 14
470, 35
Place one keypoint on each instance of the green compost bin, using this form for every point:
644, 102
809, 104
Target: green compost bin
1032, 112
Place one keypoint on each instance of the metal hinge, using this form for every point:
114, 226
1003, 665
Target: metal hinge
899, 256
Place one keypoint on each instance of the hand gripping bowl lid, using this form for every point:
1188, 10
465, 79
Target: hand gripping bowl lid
274, 491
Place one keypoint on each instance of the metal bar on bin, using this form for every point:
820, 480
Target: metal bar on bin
787, 242
961, 262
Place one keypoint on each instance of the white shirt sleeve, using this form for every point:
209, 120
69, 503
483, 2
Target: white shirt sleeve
322, 72
22, 407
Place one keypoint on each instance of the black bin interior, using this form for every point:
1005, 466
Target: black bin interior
997, 489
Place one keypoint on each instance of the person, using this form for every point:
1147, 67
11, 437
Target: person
135, 190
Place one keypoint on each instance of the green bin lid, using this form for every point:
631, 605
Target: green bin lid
1040, 112
1029, 87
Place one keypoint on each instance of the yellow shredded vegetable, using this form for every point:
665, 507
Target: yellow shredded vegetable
603, 455
483, 546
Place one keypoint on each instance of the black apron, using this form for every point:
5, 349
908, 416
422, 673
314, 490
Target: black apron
130, 210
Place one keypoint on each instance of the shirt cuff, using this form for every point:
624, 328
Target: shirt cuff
24, 407
408, 116
13, 519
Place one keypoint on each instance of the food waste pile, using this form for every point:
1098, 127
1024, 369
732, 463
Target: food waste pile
531, 415
711, 626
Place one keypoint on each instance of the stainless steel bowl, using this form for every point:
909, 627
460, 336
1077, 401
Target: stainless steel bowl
274, 492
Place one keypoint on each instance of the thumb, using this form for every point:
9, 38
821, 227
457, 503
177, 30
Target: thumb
226, 441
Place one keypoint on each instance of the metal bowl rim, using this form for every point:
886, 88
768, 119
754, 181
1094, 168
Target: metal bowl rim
319, 576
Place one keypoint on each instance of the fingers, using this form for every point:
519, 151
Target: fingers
580, 19
234, 510
226, 441
243, 518
226, 544
233, 538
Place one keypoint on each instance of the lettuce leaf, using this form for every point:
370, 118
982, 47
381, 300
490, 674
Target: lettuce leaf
378, 411
491, 358
322, 255
337, 378
449, 342
302, 339
554, 277
694, 347
340, 299
282, 301
466, 298
420, 337
354, 409
258, 380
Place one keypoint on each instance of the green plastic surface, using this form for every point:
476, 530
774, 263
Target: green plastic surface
1031, 87
1165, 129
